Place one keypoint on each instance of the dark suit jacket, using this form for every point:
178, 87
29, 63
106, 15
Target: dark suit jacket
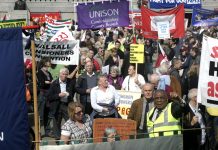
192, 136
55, 89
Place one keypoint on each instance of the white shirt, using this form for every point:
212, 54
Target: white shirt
107, 97
63, 86
130, 85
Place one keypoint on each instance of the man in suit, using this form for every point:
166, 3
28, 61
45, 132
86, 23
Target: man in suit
141, 106
60, 94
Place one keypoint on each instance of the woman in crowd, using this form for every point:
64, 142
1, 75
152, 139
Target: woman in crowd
44, 80
78, 128
114, 78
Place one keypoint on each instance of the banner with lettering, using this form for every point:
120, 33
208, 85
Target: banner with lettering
66, 52
14, 125
13, 23
103, 14
151, 21
204, 17
208, 76
126, 100
41, 16
164, 4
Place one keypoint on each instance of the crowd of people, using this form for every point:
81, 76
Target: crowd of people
79, 94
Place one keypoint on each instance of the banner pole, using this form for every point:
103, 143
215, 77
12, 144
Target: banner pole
36, 114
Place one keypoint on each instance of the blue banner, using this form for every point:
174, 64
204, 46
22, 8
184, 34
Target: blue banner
14, 128
164, 4
204, 17
103, 14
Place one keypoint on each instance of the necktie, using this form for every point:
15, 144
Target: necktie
158, 113
145, 119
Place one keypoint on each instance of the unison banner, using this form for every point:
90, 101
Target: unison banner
204, 17
208, 76
13, 23
162, 4
14, 126
103, 14
66, 53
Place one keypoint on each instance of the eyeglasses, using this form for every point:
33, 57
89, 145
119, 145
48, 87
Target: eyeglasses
79, 112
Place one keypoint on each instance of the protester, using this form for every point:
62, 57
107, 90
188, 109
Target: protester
78, 127
44, 81
114, 78
194, 119
110, 134
140, 107
84, 84
60, 95
133, 81
104, 99
173, 111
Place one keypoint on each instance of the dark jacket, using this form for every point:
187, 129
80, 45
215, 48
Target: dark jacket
55, 89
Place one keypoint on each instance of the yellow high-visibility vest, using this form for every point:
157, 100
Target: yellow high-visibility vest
165, 122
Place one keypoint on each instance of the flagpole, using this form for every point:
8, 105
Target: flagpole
133, 26
36, 114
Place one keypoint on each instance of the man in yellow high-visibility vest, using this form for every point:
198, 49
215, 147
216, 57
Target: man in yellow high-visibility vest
165, 117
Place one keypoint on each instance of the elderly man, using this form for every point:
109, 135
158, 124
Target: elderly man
140, 107
165, 117
104, 99
60, 94
84, 84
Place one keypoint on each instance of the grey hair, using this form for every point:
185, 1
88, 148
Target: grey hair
64, 70
192, 93
164, 68
115, 68
109, 130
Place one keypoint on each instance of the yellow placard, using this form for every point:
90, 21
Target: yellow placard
137, 53
13, 23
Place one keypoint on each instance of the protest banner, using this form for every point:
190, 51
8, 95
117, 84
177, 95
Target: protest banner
103, 15
135, 20
164, 4
137, 53
204, 17
126, 100
208, 75
41, 16
175, 17
14, 125
13, 23
124, 127
53, 26
163, 30
62, 35
66, 53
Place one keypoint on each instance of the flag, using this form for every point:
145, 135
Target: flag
14, 125
63, 34
151, 18
52, 26
162, 57
4, 18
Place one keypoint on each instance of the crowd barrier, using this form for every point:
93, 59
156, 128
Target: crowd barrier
174, 142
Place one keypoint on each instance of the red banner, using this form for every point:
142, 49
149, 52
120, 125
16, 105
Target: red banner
175, 17
136, 20
41, 16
